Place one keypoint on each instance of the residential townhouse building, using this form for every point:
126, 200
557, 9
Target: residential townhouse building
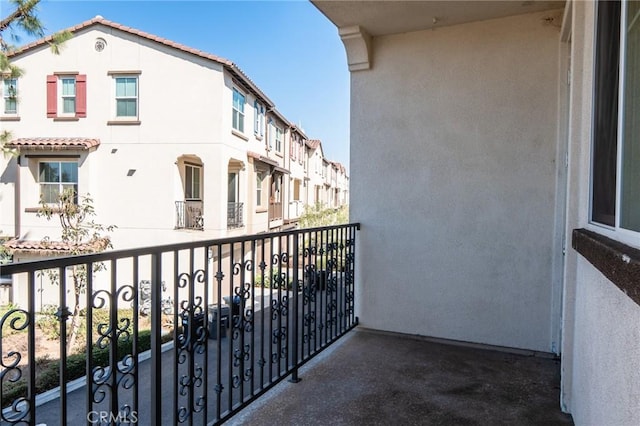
222, 162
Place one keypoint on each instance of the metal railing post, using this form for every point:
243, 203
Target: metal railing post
156, 342
294, 373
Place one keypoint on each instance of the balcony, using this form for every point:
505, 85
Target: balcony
379, 378
196, 332
189, 215
275, 214
234, 215
185, 333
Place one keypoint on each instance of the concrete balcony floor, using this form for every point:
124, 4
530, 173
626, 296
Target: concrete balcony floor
373, 378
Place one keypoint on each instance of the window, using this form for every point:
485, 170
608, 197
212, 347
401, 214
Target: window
233, 188
10, 95
270, 134
259, 183
68, 95
238, 111
126, 96
615, 180
258, 114
55, 177
279, 137
192, 182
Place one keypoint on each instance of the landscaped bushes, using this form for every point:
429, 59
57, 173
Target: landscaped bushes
48, 376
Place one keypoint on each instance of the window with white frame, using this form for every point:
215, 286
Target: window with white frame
126, 96
192, 179
259, 186
615, 175
54, 177
271, 134
10, 95
238, 110
279, 139
67, 95
258, 115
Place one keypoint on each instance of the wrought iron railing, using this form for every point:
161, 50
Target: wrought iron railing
234, 215
290, 295
189, 215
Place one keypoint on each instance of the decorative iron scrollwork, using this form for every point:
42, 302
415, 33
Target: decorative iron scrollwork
10, 372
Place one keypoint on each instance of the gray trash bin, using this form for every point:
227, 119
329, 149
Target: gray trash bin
213, 320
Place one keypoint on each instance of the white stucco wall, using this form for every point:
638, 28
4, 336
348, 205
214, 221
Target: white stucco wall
601, 325
606, 352
453, 178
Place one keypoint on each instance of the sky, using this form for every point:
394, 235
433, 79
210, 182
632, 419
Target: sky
288, 48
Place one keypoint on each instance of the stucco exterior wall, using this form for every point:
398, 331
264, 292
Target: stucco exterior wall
606, 352
601, 325
453, 179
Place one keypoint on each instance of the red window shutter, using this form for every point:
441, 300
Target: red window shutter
81, 95
52, 96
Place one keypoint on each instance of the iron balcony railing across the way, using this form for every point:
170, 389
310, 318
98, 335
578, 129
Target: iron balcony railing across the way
177, 334
189, 215
234, 215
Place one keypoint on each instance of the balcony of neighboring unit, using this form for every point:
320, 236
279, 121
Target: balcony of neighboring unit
189, 215
234, 215
275, 214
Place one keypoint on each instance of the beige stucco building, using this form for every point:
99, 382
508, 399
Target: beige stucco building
219, 161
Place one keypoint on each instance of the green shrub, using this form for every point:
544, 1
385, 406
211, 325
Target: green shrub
48, 322
20, 316
48, 376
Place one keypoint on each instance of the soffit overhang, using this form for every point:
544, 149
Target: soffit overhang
378, 18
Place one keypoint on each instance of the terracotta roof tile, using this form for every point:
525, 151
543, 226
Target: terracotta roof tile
48, 247
232, 67
55, 143
313, 143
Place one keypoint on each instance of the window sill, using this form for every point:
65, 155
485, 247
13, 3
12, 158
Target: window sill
234, 132
616, 261
258, 137
259, 210
123, 123
279, 154
66, 118
10, 118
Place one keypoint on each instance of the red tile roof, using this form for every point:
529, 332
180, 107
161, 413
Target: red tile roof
51, 247
99, 20
313, 143
55, 143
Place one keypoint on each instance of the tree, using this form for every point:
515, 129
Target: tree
22, 18
81, 235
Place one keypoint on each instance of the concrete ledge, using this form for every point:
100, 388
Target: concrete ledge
618, 262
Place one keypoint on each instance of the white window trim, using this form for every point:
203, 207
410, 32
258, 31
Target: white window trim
6, 96
60, 184
279, 141
116, 97
199, 169
625, 236
62, 96
240, 112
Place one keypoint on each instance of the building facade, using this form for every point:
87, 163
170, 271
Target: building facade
220, 161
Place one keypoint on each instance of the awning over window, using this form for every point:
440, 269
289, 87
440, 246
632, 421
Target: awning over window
55, 143
266, 160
